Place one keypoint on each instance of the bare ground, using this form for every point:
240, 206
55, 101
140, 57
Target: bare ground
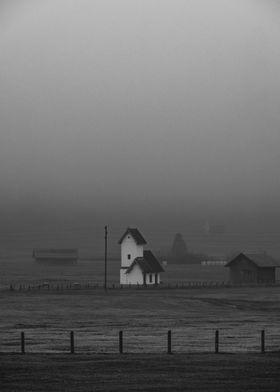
149, 372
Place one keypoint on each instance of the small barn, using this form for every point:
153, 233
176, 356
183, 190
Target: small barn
252, 268
56, 256
138, 266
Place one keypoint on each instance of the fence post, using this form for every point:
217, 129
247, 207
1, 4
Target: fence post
169, 342
72, 345
263, 341
121, 342
217, 341
22, 343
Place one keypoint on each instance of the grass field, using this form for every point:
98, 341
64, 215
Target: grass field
144, 316
193, 315
179, 372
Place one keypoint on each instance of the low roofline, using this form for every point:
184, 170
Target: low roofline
232, 260
275, 265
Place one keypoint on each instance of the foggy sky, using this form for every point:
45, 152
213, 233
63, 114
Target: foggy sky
140, 107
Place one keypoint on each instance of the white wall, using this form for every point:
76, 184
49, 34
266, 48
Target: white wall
123, 276
129, 247
134, 277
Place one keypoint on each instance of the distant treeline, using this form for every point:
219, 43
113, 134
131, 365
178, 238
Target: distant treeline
179, 253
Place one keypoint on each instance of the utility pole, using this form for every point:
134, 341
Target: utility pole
105, 259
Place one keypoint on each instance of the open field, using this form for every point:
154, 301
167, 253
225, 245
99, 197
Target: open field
193, 315
92, 272
179, 372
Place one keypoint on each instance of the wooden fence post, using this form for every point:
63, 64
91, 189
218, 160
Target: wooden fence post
263, 341
169, 351
72, 345
121, 342
22, 343
217, 341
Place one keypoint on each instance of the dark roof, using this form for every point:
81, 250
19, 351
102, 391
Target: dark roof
55, 253
259, 259
139, 239
148, 263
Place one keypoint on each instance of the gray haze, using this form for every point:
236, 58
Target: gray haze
137, 109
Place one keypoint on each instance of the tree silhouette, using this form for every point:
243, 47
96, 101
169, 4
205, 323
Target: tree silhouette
179, 249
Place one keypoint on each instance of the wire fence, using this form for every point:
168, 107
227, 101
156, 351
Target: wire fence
131, 341
63, 285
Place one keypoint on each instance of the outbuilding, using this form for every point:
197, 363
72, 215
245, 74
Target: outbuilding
56, 256
252, 268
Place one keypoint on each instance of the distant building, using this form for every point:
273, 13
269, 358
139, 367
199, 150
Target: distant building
252, 268
214, 228
214, 262
138, 266
56, 256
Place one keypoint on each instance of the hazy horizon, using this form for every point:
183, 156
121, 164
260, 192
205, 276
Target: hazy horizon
145, 111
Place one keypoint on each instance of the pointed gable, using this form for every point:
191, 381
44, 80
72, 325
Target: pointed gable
135, 234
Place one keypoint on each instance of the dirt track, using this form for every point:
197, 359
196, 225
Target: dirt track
179, 372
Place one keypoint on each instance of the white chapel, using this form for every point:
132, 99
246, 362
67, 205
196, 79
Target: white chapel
138, 266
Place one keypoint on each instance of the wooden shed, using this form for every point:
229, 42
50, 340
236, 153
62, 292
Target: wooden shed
252, 268
56, 256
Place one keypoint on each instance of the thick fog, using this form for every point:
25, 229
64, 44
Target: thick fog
145, 108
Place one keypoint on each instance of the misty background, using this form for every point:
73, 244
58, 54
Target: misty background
157, 114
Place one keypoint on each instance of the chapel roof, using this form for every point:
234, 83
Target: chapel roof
148, 263
135, 233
